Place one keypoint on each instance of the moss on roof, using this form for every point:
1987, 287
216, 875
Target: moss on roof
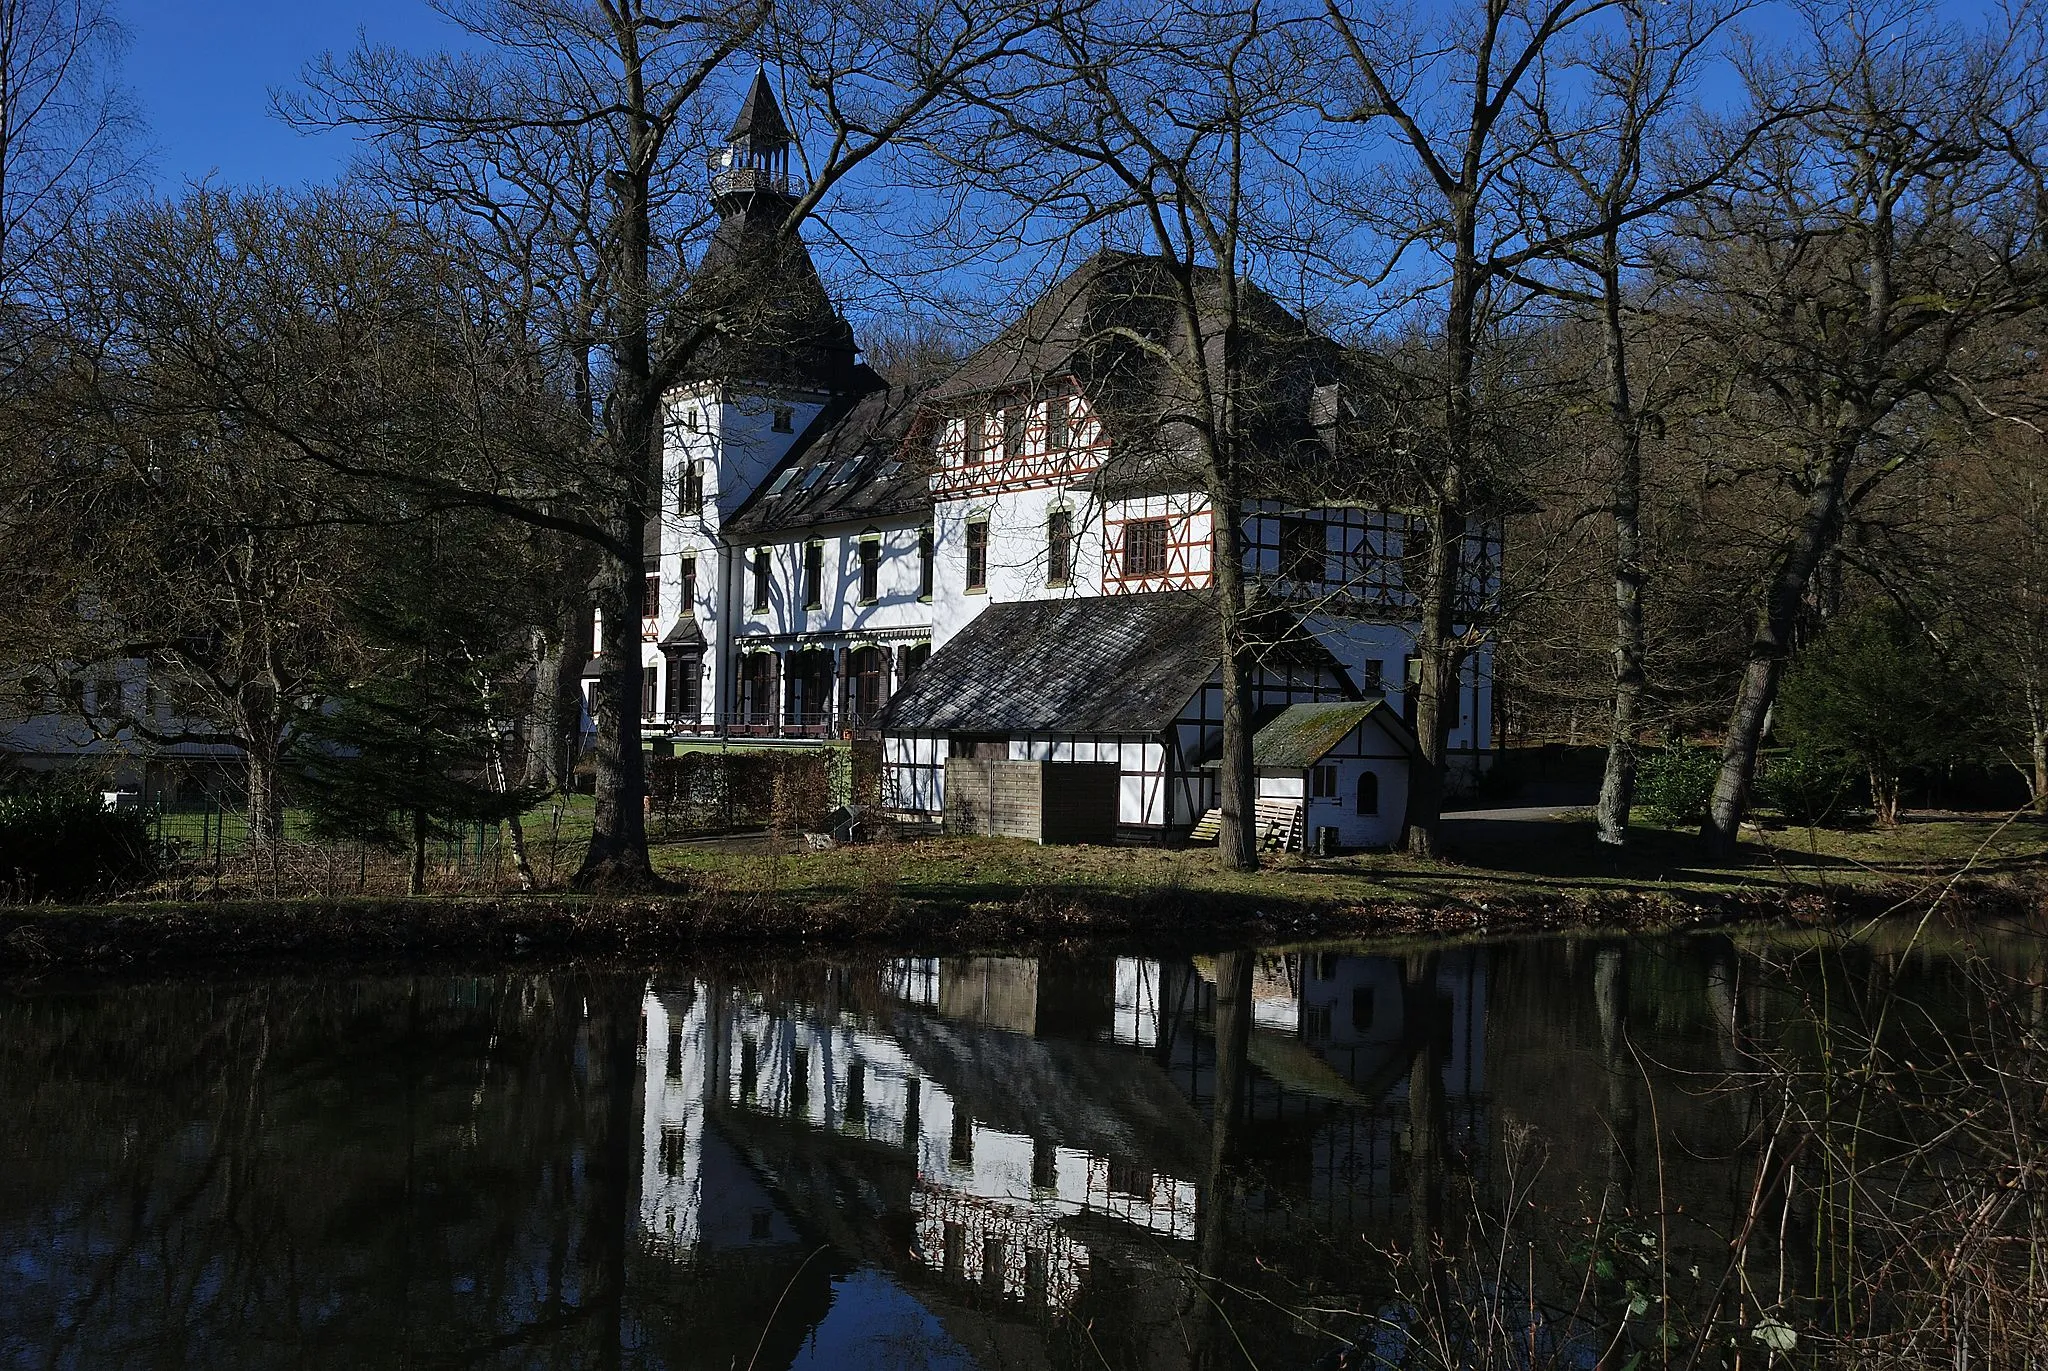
1301, 735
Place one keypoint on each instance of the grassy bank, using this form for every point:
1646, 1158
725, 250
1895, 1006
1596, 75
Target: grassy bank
959, 894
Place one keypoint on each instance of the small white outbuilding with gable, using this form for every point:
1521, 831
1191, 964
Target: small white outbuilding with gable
1345, 763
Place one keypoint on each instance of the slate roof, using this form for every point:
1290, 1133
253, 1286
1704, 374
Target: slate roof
851, 464
760, 118
1301, 735
1082, 326
1100, 664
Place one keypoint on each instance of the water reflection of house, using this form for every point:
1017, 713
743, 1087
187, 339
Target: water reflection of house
1003, 1134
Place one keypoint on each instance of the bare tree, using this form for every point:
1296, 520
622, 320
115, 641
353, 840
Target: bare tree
63, 124
1850, 278
1600, 123
569, 144
1149, 127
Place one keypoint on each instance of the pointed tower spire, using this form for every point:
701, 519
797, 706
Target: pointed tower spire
760, 118
755, 159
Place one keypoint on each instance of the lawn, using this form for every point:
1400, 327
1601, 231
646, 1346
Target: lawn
1485, 858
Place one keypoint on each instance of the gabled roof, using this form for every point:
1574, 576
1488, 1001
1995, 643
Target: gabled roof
686, 634
1301, 735
1116, 326
1100, 664
852, 463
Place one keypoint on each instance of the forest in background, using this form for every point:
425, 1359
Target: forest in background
1730, 314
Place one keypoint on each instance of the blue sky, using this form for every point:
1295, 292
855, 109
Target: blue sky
201, 73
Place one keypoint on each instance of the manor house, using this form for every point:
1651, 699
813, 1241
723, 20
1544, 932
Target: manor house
1016, 560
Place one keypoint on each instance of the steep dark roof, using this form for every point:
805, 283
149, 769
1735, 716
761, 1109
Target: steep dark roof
760, 118
1102, 664
851, 464
1082, 327
1299, 736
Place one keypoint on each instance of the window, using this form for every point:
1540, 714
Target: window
690, 420
690, 488
648, 697
760, 579
866, 675
757, 689
1369, 793
1013, 430
814, 575
685, 687
1145, 547
1059, 547
1375, 675
924, 564
870, 570
1056, 435
977, 555
913, 657
1323, 782
785, 419
689, 578
650, 595
1301, 551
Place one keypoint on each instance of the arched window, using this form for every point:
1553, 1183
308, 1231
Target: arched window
1369, 792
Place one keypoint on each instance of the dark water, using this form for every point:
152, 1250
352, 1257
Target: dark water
987, 1162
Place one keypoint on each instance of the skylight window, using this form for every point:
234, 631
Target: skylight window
782, 481
816, 474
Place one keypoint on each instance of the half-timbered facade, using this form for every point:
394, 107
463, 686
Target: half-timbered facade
822, 535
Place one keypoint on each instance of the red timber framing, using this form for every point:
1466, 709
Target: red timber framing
1188, 530
1365, 552
994, 465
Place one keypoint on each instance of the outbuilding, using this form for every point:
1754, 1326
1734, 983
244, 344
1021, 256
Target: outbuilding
1345, 763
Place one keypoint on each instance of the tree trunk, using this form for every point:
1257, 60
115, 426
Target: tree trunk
1771, 645
416, 878
1884, 797
1237, 841
1618, 783
2040, 771
617, 856
547, 730
1437, 646
266, 799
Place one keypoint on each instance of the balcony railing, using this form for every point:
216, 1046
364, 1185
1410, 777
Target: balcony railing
786, 723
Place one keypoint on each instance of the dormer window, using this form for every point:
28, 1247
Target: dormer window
785, 419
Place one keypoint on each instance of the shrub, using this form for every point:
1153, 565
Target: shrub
1810, 787
1673, 786
59, 841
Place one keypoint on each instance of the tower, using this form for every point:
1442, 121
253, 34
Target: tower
778, 359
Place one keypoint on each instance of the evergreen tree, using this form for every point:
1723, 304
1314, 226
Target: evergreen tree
409, 746
1875, 690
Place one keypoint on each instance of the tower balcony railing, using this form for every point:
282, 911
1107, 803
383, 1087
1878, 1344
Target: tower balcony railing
752, 181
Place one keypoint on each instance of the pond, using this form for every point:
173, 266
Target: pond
1516, 1152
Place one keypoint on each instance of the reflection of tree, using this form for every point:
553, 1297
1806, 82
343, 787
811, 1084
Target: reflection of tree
1422, 1030
1220, 1199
